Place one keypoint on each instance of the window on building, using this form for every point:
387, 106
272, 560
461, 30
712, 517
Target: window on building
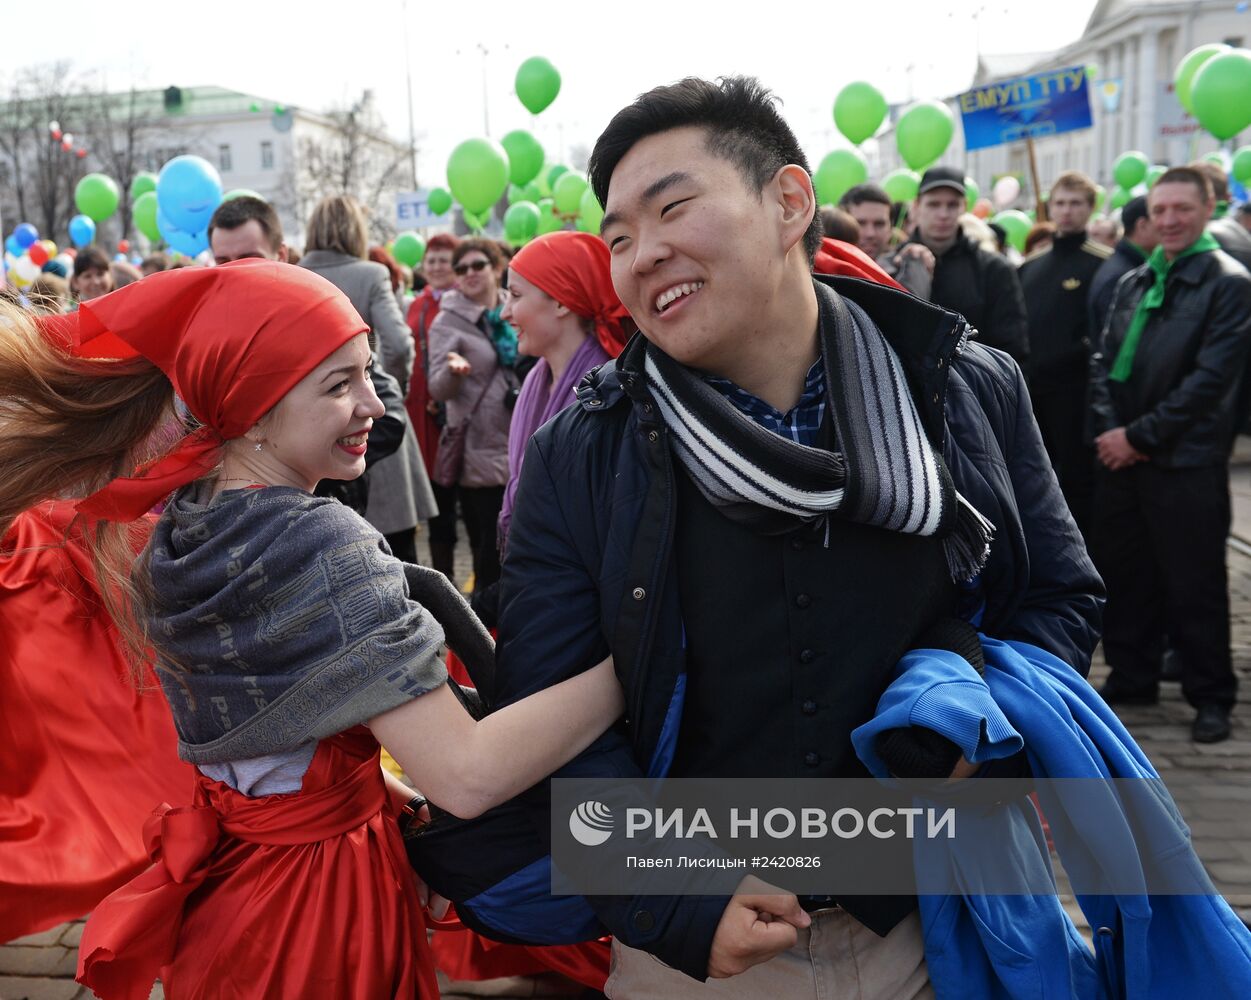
267, 155
223, 158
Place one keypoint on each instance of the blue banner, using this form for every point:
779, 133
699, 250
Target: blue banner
1040, 105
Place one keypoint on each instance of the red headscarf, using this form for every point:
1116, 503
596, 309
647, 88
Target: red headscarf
573, 268
232, 339
837, 257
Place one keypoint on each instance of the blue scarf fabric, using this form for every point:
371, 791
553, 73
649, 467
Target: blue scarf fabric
503, 337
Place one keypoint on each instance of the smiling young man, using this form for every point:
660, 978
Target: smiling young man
1164, 391
782, 485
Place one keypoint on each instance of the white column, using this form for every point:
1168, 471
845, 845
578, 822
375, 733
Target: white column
1147, 50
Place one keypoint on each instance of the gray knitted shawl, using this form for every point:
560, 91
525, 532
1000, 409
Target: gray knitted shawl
286, 620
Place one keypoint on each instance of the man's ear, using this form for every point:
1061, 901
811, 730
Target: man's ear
797, 203
282, 253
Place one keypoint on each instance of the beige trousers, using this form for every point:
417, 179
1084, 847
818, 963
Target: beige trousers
836, 958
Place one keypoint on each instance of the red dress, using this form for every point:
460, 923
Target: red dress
84, 756
421, 314
305, 895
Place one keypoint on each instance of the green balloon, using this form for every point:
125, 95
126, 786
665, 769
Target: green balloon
1154, 174
1221, 93
1184, 75
1241, 168
477, 173
567, 193
1118, 198
439, 201
1130, 168
1101, 196
525, 156
409, 248
553, 175
537, 84
242, 193
531, 192
1016, 224
971, 193
859, 110
521, 222
97, 196
901, 184
477, 221
549, 221
590, 212
515, 194
144, 213
923, 133
839, 171
142, 183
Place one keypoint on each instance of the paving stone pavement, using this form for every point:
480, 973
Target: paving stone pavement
1211, 784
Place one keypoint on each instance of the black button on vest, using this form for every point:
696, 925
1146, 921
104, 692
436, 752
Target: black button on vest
760, 660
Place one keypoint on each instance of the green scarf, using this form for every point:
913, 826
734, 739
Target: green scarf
1153, 299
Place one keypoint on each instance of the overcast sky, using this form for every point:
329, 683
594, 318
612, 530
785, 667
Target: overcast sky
319, 54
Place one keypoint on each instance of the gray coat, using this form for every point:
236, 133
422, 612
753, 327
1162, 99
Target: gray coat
459, 328
399, 490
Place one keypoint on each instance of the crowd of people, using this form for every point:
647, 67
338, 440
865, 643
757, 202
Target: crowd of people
719, 467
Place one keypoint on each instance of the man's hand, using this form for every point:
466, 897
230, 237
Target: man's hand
1115, 451
921, 252
457, 364
759, 923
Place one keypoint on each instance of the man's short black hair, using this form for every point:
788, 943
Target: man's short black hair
239, 211
1134, 211
862, 193
740, 117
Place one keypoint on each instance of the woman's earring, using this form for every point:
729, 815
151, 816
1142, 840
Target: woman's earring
258, 446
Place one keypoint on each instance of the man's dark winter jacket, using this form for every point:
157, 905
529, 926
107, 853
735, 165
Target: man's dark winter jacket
1124, 259
1056, 283
591, 566
1179, 405
983, 288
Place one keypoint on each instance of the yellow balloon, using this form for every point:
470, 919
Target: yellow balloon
50, 247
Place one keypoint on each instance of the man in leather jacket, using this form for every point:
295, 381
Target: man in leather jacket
1164, 395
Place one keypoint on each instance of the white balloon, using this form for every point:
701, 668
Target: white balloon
1005, 192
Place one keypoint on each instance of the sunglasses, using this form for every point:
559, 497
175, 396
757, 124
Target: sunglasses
476, 265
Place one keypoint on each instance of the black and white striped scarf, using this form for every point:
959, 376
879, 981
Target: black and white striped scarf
883, 472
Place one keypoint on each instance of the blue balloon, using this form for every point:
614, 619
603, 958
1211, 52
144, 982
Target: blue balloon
187, 191
192, 244
13, 246
82, 230
25, 234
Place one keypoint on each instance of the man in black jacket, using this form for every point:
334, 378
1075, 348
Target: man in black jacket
1057, 282
1131, 251
980, 285
751, 640
1163, 395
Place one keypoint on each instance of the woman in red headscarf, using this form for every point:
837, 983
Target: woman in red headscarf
562, 304
287, 638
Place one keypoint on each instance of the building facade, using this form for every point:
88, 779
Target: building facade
1132, 47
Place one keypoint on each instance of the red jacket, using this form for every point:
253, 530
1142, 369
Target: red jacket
421, 316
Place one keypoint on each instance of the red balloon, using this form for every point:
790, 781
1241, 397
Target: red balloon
67, 146
82, 153
56, 133
38, 253
123, 246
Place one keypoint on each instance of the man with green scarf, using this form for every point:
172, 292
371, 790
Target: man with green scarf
1163, 398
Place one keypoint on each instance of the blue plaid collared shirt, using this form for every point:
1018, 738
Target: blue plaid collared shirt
802, 424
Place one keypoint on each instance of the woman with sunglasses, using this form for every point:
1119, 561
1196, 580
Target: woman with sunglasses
472, 354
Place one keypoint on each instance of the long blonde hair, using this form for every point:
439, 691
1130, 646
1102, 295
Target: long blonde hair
338, 223
67, 427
